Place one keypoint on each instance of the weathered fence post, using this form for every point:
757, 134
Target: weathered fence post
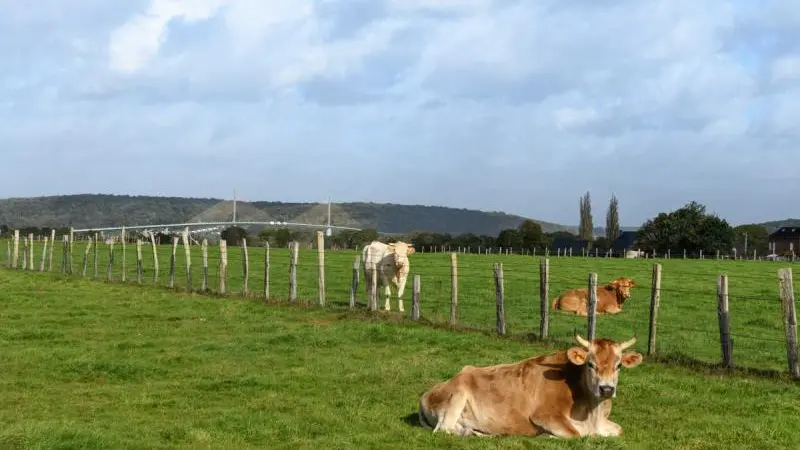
64, 251
85, 270
223, 266
187, 250
655, 301
723, 312
500, 295
415, 291
30, 251
293, 257
321, 268
52, 247
592, 311
453, 289
139, 261
155, 256
544, 289
44, 255
789, 319
15, 253
124, 254
172, 258
96, 253
24, 252
245, 267
204, 253
110, 274
71, 249
354, 283
266, 270
8, 254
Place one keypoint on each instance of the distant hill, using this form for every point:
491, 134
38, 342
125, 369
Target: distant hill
100, 210
775, 224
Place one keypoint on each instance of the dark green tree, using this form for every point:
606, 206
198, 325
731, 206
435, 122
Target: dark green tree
756, 237
234, 235
586, 225
509, 237
690, 228
530, 233
612, 220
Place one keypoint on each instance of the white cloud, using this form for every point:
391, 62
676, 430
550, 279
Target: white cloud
481, 103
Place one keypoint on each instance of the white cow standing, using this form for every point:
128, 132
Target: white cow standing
391, 261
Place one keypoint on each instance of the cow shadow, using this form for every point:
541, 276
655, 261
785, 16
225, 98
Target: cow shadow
412, 420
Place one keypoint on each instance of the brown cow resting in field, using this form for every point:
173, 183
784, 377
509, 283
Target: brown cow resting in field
610, 298
566, 394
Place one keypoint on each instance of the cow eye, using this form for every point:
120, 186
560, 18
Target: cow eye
619, 366
592, 366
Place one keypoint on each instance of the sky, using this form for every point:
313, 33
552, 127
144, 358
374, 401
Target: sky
509, 105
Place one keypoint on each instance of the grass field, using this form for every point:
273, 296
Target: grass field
94, 365
687, 328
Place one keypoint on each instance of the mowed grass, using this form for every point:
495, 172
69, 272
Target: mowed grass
93, 365
687, 320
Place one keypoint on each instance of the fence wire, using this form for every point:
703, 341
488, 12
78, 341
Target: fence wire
687, 325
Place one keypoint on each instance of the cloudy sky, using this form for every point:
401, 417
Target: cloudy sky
512, 105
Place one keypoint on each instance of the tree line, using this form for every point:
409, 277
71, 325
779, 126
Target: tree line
689, 228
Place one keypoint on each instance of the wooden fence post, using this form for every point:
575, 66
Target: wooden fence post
8, 254
124, 254
30, 251
44, 255
592, 312
655, 301
187, 251
204, 254
373, 288
453, 289
245, 267
223, 266
266, 270
24, 252
52, 247
85, 270
321, 268
354, 283
110, 270
789, 319
96, 253
172, 258
723, 312
155, 256
544, 304
139, 260
500, 297
71, 249
15, 253
64, 251
415, 291
293, 257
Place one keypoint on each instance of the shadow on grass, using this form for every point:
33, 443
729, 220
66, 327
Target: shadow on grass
412, 420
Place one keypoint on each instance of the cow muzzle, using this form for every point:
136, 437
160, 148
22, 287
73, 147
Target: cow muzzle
607, 391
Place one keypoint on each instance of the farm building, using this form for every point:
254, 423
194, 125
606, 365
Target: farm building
784, 240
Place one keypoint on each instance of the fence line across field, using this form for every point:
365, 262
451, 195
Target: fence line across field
22, 247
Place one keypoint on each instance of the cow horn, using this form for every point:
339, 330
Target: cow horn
625, 345
586, 344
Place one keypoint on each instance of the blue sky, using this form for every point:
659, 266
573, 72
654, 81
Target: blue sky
508, 105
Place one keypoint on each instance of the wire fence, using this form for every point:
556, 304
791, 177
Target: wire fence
732, 314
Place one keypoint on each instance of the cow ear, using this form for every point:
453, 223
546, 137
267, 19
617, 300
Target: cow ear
576, 356
411, 249
631, 360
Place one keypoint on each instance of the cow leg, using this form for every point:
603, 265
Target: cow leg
450, 419
559, 426
401, 288
387, 292
608, 428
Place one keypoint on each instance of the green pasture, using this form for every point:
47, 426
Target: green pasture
687, 321
92, 365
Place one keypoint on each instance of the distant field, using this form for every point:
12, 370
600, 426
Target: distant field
105, 366
688, 326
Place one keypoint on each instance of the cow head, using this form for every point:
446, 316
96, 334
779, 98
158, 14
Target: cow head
602, 360
623, 285
401, 251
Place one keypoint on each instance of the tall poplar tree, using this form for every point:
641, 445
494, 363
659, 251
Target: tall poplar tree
586, 224
612, 220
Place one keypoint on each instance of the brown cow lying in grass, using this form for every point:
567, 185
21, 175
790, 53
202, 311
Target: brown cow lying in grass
566, 394
610, 298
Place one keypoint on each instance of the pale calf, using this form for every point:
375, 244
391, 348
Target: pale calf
392, 264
